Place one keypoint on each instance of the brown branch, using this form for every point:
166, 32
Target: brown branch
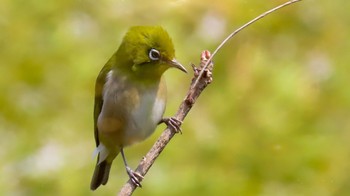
246, 25
185, 107
202, 77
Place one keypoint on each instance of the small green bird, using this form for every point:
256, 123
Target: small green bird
130, 97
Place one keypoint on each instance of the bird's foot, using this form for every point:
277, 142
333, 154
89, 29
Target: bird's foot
135, 177
173, 123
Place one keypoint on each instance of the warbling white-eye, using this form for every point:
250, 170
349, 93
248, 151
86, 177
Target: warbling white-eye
130, 97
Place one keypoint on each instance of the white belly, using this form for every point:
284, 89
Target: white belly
144, 119
131, 117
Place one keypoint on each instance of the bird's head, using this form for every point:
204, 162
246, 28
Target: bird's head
149, 50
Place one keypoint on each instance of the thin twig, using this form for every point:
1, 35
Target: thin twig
202, 77
241, 28
167, 134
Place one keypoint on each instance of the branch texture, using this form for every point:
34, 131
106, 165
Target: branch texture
245, 26
202, 77
195, 90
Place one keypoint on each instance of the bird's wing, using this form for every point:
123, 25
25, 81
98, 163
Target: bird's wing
100, 81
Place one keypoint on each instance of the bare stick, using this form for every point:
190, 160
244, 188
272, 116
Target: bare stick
202, 77
166, 136
243, 27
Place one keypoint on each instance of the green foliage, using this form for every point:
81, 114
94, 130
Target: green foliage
275, 121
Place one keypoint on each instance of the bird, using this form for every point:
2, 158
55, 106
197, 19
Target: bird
130, 97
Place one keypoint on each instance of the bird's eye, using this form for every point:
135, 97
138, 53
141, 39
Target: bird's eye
154, 54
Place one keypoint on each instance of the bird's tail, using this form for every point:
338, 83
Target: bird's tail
101, 174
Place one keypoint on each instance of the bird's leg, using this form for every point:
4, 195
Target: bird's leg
135, 177
172, 123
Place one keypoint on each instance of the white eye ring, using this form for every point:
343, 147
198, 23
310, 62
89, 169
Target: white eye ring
154, 54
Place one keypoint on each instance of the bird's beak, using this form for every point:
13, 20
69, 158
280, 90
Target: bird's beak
177, 65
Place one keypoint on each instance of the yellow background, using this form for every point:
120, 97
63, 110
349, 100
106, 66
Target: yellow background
275, 121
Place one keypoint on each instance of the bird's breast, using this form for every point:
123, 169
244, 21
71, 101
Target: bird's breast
145, 116
130, 112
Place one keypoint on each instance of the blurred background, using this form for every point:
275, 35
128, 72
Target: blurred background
275, 121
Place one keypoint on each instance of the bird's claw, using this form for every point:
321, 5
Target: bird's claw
134, 177
173, 123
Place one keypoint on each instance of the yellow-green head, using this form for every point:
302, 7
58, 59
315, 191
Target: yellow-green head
146, 51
